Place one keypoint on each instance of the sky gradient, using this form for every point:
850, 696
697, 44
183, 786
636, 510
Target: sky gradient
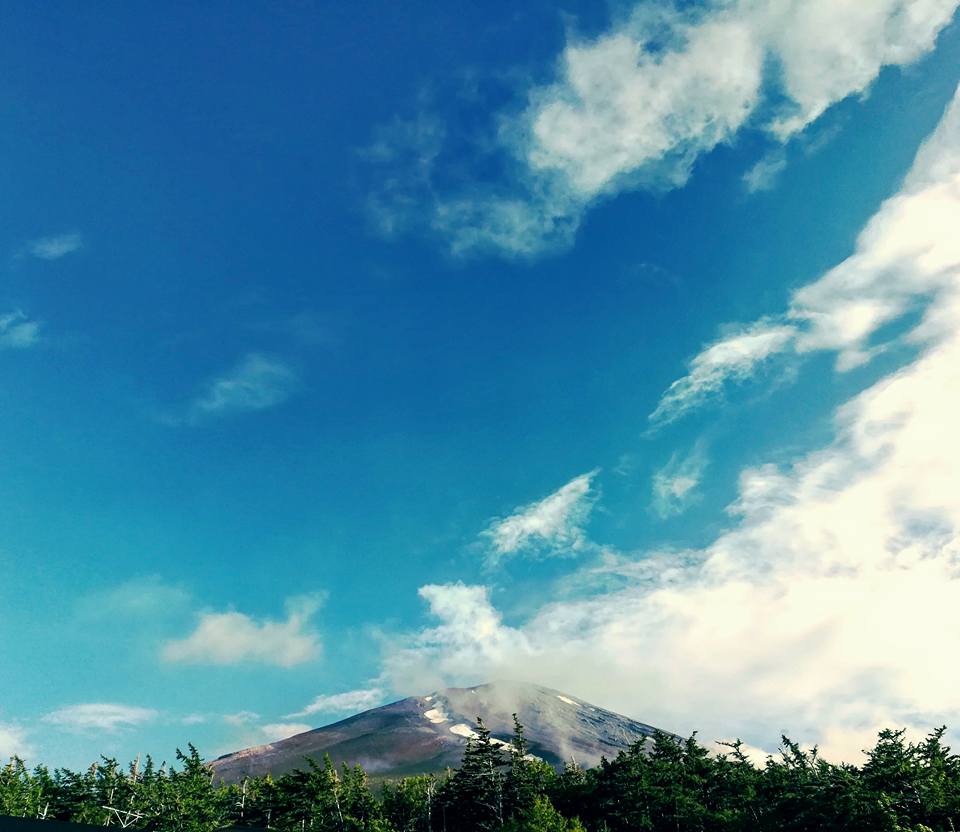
350, 351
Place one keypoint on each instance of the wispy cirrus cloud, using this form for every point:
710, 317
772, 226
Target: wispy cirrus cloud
903, 260
637, 106
406, 151
350, 701
763, 175
55, 246
99, 716
553, 525
139, 597
241, 718
735, 357
274, 731
14, 741
675, 484
17, 331
257, 382
823, 609
228, 638
251, 732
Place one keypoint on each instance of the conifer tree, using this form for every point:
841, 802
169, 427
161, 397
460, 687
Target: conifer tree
474, 799
194, 804
527, 778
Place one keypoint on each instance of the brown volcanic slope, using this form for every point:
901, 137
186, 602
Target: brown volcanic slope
428, 733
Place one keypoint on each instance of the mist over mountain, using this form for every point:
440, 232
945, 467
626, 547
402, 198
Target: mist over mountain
428, 733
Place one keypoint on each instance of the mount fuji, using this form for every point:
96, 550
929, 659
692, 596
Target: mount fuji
423, 734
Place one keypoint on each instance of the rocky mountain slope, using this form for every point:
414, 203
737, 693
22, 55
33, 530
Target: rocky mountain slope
428, 733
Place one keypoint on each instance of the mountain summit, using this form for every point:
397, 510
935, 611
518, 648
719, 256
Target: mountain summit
423, 734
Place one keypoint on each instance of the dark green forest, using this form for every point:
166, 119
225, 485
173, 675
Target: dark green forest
662, 784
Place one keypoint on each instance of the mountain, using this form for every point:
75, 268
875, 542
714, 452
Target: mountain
428, 733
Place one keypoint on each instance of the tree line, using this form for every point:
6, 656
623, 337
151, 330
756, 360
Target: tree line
660, 784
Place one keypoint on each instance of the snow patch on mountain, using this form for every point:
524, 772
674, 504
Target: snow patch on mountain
463, 730
436, 715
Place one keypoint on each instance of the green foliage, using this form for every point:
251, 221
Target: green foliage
409, 804
661, 785
540, 816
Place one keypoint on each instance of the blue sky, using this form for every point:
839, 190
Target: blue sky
350, 351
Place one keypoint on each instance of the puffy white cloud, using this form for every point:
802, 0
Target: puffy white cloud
830, 49
621, 106
351, 701
470, 639
675, 484
225, 638
552, 525
827, 608
257, 382
55, 247
99, 716
668, 85
17, 331
637, 106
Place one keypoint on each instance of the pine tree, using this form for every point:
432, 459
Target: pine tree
194, 804
474, 799
527, 778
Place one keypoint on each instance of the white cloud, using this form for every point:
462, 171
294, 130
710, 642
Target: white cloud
638, 105
553, 525
241, 718
904, 256
257, 382
351, 701
408, 149
138, 597
470, 639
99, 716
826, 610
14, 742
675, 484
620, 106
505, 223
734, 357
830, 49
669, 86
281, 730
55, 247
225, 638
763, 175
17, 331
